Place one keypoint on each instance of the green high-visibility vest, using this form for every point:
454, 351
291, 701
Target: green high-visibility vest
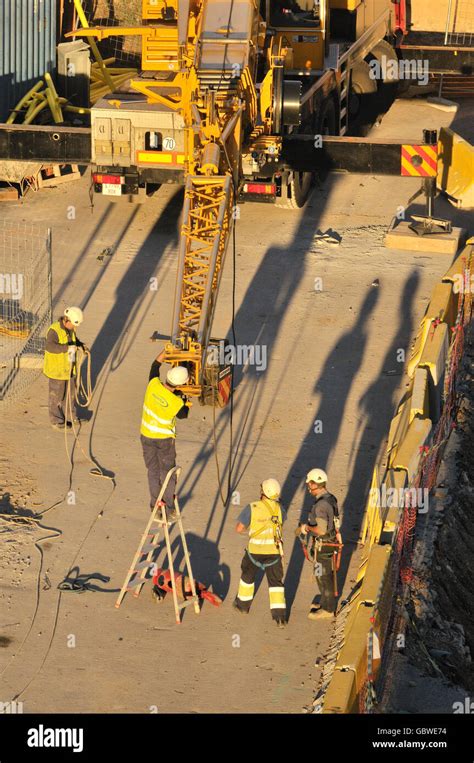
57, 365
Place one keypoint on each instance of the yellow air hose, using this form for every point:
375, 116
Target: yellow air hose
83, 397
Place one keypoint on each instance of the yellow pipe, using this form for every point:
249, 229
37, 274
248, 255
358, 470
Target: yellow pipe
93, 44
53, 100
30, 117
77, 109
24, 100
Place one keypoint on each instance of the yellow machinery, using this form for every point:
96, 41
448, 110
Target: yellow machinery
221, 83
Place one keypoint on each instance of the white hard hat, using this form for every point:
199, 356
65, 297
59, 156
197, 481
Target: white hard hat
271, 489
317, 475
75, 315
177, 376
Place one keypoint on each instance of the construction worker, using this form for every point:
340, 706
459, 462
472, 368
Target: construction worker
263, 519
162, 405
60, 365
323, 528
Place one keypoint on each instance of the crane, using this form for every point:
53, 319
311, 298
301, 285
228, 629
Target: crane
221, 83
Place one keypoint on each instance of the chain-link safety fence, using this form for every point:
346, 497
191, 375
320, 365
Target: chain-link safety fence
110, 13
25, 304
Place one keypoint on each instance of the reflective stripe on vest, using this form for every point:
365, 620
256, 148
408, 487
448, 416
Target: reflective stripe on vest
262, 531
56, 364
159, 411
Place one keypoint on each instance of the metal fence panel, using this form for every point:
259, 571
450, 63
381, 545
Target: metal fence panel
27, 47
460, 23
25, 304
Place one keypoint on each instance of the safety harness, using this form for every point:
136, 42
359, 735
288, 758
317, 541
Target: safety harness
277, 539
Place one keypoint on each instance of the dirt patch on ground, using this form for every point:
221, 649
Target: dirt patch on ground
18, 531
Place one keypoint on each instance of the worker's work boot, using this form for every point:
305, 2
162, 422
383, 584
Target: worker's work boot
321, 614
315, 608
171, 515
236, 606
62, 426
281, 623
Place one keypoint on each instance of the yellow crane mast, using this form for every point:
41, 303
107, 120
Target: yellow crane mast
221, 83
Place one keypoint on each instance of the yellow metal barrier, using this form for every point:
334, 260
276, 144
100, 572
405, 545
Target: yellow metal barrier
419, 407
399, 425
433, 358
456, 168
410, 432
355, 661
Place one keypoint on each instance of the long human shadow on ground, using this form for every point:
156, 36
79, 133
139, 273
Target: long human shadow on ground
134, 286
334, 384
273, 288
376, 407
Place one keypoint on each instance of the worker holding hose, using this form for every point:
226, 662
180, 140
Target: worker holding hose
60, 365
162, 405
322, 531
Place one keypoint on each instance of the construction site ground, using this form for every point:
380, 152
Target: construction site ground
333, 356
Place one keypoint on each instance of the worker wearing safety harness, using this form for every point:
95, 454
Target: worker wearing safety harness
263, 519
60, 365
163, 404
323, 530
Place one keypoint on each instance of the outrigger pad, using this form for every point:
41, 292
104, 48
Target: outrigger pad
403, 238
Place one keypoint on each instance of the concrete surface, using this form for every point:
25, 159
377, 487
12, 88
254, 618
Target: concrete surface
333, 357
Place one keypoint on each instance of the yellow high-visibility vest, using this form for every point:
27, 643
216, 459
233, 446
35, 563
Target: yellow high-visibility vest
264, 514
57, 365
159, 411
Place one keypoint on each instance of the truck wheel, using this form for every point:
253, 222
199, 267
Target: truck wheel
363, 99
362, 85
295, 192
327, 118
388, 60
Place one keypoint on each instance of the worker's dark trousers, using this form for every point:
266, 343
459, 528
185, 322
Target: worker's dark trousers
160, 457
274, 574
325, 582
57, 400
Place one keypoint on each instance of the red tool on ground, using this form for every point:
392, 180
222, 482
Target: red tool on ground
162, 585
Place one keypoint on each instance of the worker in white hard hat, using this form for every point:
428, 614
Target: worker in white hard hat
163, 404
322, 529
60, 365
263, 520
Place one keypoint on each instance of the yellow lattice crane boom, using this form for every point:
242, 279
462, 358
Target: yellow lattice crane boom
221, 83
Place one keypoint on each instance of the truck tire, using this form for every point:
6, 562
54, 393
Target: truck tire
362, 84
327, 118
363, 99
383, 50
296, 192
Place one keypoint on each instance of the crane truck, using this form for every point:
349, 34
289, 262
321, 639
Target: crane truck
222, 82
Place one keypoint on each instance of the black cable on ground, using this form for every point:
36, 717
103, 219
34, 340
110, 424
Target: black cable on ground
97, 471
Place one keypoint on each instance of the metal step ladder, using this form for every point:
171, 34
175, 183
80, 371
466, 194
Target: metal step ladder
143, 560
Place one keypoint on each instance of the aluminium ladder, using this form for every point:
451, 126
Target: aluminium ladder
143, 559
